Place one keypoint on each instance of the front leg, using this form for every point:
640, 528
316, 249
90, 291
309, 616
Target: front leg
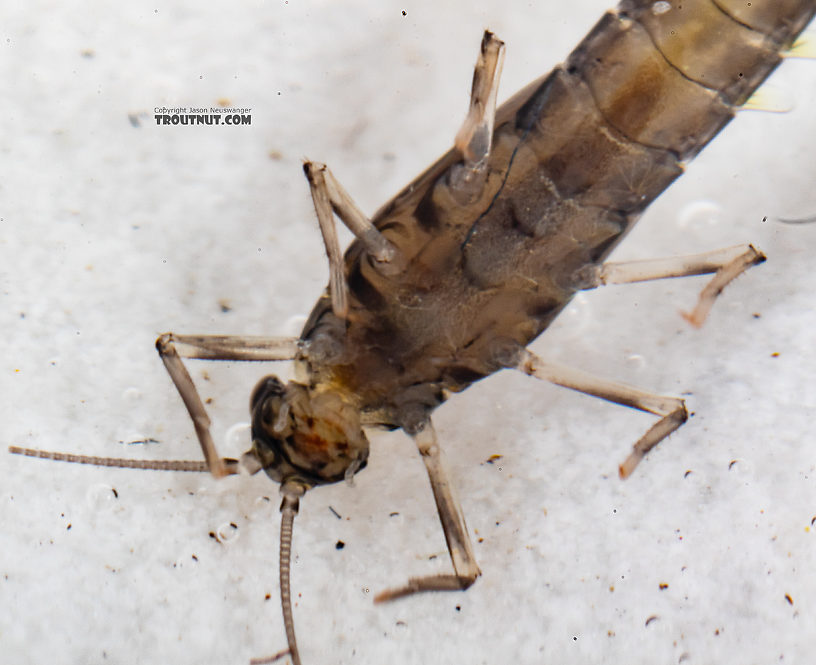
172, 348
453, 524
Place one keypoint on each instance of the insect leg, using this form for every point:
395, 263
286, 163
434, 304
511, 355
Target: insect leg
476, 134
329, 196
453, 524
672, 409
232, 347
727, 263
172, 348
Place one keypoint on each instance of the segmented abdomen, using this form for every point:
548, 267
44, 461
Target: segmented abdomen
576, 157
596, 141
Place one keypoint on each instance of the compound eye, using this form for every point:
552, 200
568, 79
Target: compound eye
269, 386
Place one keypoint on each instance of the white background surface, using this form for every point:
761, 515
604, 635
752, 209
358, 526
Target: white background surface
111, 234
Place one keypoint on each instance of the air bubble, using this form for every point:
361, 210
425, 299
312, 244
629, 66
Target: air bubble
293, 325
740, 467
264, 507
132, 394
100, 497
661, 7
227, 533
261, 502
636, 361
578, 315
238, 439
698, 215
133, 437
183, 559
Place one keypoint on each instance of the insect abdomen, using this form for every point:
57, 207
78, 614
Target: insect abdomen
575, 158
596, 141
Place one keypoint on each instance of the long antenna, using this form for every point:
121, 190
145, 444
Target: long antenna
153, 465
292, 491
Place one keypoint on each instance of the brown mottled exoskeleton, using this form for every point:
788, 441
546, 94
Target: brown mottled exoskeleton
453, 278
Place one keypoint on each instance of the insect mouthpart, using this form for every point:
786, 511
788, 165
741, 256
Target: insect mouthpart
307, 437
